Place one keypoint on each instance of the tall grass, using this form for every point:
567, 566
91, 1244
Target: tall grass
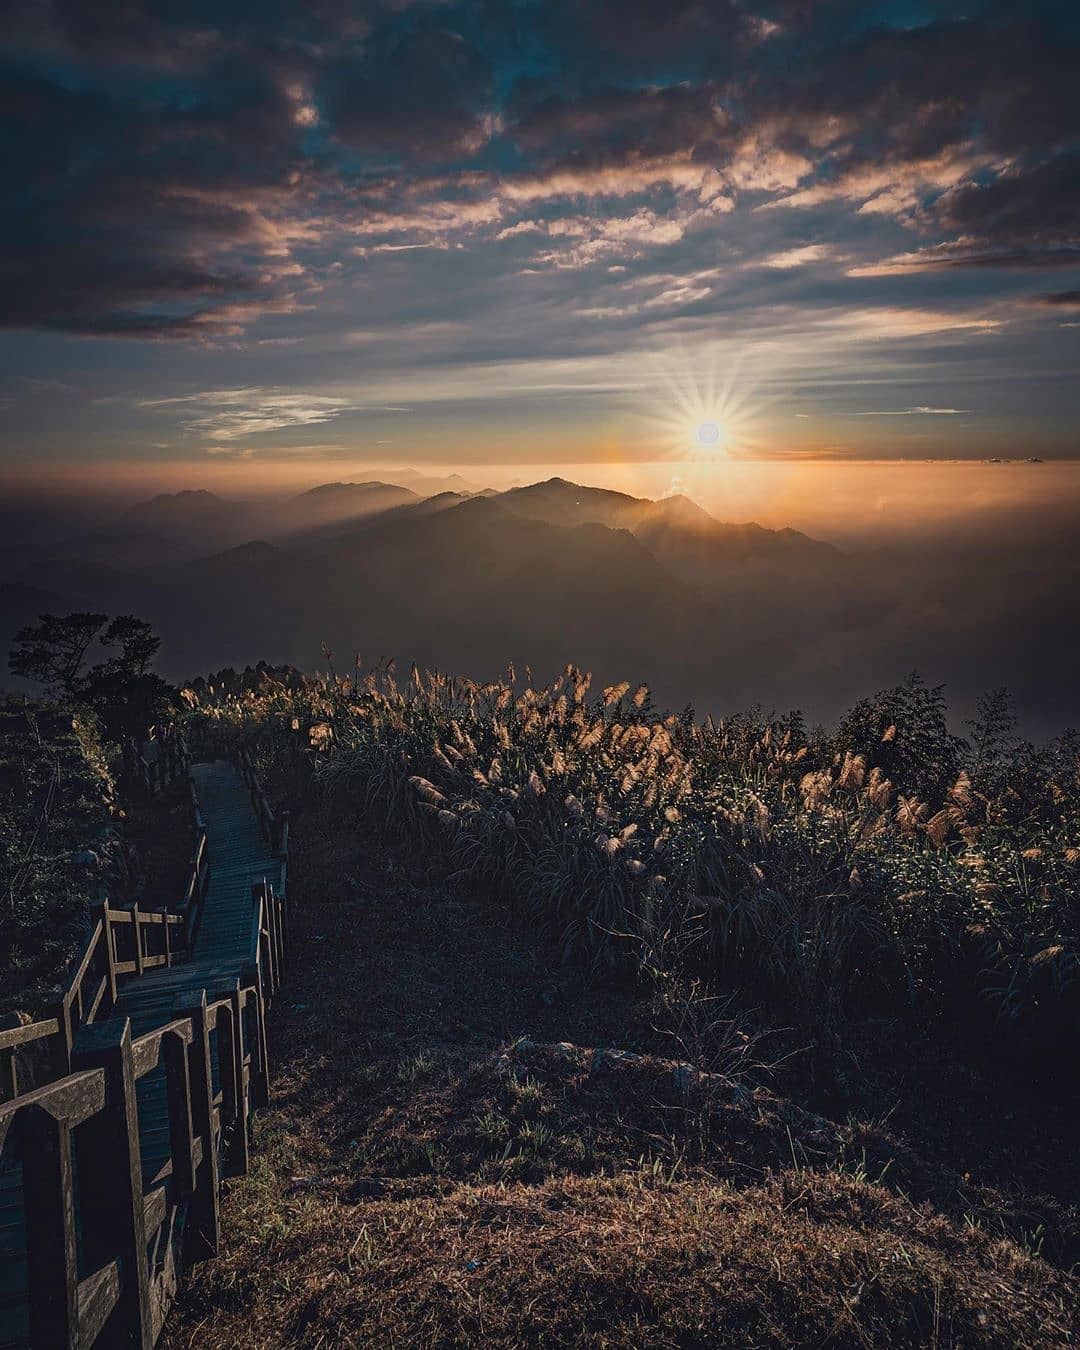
879, 866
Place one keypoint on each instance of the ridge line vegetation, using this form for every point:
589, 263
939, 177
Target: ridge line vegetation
891, 864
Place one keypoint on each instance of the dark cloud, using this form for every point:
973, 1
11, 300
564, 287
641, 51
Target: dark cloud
1037, 208
418, 91
140, 216
182, 167
613, 123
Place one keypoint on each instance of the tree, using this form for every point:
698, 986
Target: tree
993, 738
905, 732
53, 653
123, 690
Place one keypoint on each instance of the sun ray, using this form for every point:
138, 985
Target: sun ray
703, 409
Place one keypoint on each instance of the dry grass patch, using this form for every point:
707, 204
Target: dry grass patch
808, 1260
461, 1152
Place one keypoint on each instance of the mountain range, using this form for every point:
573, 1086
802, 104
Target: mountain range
461, 578
448, 573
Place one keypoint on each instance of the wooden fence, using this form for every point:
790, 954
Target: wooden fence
105, 1244
121, 942
161, 759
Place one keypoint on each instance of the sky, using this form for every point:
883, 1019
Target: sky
272, 241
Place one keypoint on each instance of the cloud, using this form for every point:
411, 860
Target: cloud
968, 252
800, 256
194, 171
913, 412
882, 323
419, 91
227, 415
1062, 298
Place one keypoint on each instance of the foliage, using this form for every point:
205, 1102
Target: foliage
905, 731
122, 690
57, 844
886, 865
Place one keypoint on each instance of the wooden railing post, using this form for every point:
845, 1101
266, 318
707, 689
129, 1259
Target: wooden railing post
9, 1075
110, 954
9, 1069
61, 1046
242, 1141
204, 1222
234, 1098
135, 928
174, 1050
282, 834
110, 1171
50, 1229
260, 1055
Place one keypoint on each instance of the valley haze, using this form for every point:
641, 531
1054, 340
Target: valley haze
441, 570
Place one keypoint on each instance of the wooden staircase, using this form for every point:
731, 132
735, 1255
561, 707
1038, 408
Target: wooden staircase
110, 1173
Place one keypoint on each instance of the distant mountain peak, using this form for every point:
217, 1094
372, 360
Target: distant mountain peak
370, 485
179, 503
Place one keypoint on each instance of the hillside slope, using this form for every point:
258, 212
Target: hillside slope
426, 1176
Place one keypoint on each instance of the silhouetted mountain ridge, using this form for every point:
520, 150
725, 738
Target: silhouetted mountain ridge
545, 574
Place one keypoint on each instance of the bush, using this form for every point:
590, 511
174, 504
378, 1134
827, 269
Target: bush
821, 871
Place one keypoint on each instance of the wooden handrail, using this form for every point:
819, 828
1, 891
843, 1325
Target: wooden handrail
31, 1031
103, 1217
171, 759
90, 990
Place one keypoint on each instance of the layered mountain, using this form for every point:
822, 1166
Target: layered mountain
168, 527
546, 574
332, 503
477, 579
736, 563
180, 526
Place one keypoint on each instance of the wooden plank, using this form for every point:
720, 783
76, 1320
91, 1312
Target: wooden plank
97, 1296
154, 1209
84, 963
73, 1099
51, 1244
99, 995
145, 1054
204, 1219
112, 1211
31, 1031
146, 1049
178, 1093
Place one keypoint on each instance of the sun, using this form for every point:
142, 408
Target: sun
702, 408
710, 435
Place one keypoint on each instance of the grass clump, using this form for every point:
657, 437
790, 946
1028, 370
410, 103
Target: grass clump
889, 865
558, 1178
